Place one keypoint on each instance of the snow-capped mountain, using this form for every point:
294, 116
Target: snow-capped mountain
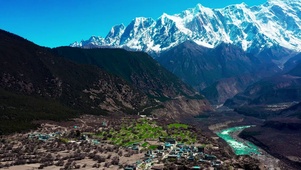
277, 22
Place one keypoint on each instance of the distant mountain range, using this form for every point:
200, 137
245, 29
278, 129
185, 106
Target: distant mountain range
219, 52
253, 29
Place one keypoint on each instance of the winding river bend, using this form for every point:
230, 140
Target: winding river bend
240, 147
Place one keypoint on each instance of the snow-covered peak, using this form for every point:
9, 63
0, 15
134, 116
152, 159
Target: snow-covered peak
205, 11
275, 23
116, 30
283, 2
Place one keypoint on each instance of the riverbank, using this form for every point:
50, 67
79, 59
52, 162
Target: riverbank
283, 145
212, 122
266, 160
240, 147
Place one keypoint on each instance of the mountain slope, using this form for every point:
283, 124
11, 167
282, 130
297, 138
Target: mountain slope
33, 70
273, 90
219, 73
223, 89
144, 73
36, 84
275, 23
200, 66
137, 68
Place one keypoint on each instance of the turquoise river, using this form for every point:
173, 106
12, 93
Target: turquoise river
240, 147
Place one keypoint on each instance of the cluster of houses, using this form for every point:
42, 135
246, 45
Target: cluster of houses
173, 151
44, 137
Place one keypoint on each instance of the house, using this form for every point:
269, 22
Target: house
195, 167
158, 167
160, 147
201, 149
194, 149
83, 137
138, 162
167, 145
95, 142
180, 145
43, 137
171, 141
174, 156
128, 167
190, 158
179, 151
147, 160
216, 163
204, 161
210, 157
149, 154
104, 124
160, 153
135, 146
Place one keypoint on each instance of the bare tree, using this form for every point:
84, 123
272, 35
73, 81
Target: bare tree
115, 160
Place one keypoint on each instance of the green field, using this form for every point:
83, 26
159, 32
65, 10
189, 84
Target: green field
178, 125
146, 129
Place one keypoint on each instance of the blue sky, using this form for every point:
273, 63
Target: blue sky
55, 23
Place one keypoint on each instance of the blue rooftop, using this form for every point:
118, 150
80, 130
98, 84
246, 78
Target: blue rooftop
167, 144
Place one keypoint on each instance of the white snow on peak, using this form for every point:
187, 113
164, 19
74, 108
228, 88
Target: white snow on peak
204, 44
179, 23
277, 22
204, 10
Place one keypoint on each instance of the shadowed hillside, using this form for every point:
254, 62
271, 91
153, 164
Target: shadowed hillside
137, 68
36, 84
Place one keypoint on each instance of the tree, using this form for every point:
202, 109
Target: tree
115, 160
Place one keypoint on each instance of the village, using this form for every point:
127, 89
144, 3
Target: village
175, 152
94, 143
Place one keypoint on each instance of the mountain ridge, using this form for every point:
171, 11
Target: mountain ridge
253, 29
